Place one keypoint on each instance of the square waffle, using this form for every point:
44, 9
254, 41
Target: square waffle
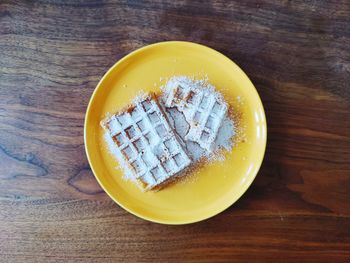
204, 109
144, 144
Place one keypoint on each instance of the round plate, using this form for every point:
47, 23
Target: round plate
215, 186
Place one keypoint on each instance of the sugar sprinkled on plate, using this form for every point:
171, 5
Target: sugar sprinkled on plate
228, 131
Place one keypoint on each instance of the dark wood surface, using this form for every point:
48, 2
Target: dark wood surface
52, 54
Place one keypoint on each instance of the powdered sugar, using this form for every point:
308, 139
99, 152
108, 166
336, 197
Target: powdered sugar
223, 139
113, 149
225, 135
144, 144
180, 112
203, 107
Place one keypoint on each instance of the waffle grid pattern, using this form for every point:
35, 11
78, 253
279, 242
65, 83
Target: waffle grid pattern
147, 143
203, 109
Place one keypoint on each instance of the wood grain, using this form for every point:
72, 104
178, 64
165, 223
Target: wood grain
52, 54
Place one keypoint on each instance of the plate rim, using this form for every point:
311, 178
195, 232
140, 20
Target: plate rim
88, 109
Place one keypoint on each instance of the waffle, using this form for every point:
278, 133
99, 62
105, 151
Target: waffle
203, 108
144, 144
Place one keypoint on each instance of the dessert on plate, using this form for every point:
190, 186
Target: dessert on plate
154, 151
204, 109
146, 147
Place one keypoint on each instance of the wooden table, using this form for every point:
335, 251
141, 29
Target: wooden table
52, 54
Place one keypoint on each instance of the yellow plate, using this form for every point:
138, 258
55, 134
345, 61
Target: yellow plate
215, 186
